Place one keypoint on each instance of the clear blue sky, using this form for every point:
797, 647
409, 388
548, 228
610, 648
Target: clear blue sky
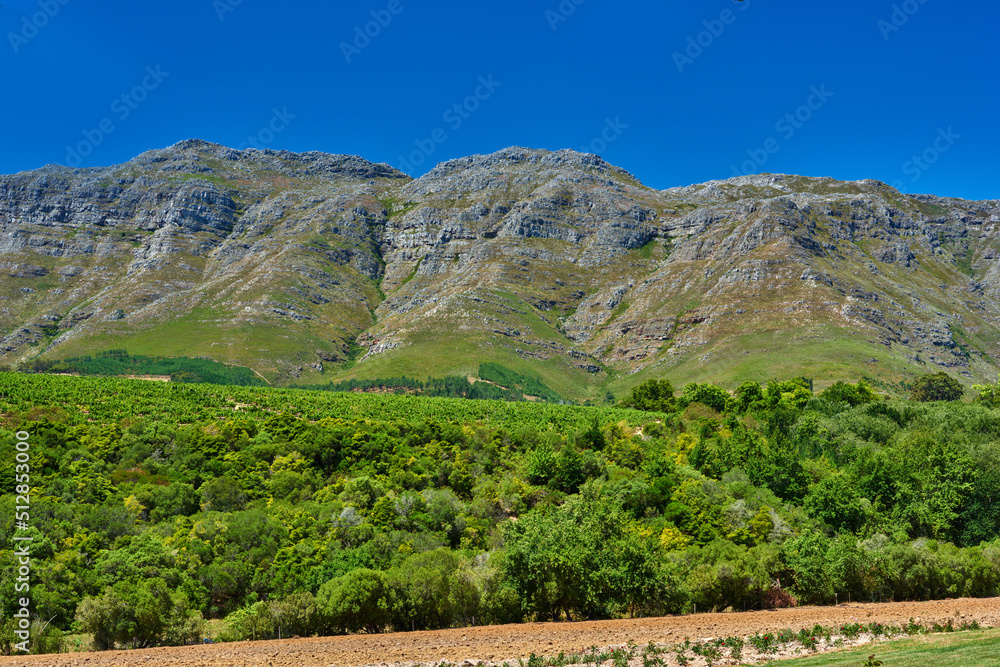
925, 87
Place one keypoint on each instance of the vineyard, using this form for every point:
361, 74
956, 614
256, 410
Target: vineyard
77, 400
156, 506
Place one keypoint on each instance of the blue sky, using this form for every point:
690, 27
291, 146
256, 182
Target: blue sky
676, 92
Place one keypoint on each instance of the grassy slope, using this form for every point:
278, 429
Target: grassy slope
967, 649
454, 342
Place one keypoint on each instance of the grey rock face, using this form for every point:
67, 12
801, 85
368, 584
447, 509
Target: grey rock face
285, 261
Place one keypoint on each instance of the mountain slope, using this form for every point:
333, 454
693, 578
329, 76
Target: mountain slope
555, 264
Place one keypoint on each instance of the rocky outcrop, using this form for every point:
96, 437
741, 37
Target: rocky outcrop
294, 263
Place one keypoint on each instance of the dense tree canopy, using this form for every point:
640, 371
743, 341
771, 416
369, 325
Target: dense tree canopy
155, 506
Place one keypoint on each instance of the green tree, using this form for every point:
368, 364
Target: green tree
384, 511
707, 394
541, 464
980, 515
139, 615
747, 395
768, 461
651, 396
250, 623
499, 602
164, 502
836, 501
297, 614
580, 560
570, 472
363, 492
729, 575
806, 558
359, 600
936, 387
593, 438
426, 591
988, 394
222, 494
852, 394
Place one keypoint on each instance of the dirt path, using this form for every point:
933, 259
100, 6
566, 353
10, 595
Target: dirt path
510, 642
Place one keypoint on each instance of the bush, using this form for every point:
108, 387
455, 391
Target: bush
852, 394
222, 494
138, 616
651, 396
777, 598
252, 622
747, 395
45, 638
541, 465
359, 600
936, 387
707, 394
430, 593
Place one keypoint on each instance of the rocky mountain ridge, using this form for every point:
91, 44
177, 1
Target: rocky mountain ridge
310, 267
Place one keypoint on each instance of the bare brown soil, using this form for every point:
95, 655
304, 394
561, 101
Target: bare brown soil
509, 642
151, 378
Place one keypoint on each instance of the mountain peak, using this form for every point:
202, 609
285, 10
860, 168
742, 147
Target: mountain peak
556, 264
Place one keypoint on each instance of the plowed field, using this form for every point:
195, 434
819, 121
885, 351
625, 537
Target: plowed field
509, 642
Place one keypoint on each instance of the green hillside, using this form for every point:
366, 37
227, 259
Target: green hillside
154, 506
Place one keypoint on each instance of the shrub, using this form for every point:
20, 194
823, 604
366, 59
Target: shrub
651, 396
222, 494
852, 394
777, 598
297, 614
359, 600
936, 387
251, 622
707, 394
45, 638
137, 616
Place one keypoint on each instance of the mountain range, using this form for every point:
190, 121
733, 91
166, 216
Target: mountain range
309, 268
